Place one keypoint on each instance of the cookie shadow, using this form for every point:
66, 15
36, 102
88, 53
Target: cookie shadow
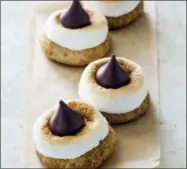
137, 142
128, 45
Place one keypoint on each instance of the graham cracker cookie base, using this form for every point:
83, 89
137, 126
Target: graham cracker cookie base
91, 160
121, 21
130, 116
73, 57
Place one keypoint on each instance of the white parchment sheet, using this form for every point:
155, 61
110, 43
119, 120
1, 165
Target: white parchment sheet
138, 143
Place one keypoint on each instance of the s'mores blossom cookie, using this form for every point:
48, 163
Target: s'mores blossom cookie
117, 87
73, 135
75, 36
118, 13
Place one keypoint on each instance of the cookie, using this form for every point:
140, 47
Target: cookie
116, 86
75, 36
73, 134
121, 21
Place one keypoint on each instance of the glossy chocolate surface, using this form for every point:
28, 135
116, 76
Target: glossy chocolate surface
76, 17
66, 121
112, 75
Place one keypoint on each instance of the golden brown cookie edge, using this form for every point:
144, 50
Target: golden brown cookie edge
74, 57
130, 116
93, 159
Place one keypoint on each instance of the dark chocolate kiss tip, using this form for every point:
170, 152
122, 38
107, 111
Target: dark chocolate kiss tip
76, 17
112, 75
66, 121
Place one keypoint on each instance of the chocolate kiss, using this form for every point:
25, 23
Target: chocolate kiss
75, 17
66, 121
112, 75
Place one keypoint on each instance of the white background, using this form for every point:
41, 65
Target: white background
171, 33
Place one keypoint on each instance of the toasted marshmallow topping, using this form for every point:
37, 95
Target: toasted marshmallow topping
114, 101
77, 39
69, 147
112, 8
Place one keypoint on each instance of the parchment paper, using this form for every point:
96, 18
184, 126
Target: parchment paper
138, 142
